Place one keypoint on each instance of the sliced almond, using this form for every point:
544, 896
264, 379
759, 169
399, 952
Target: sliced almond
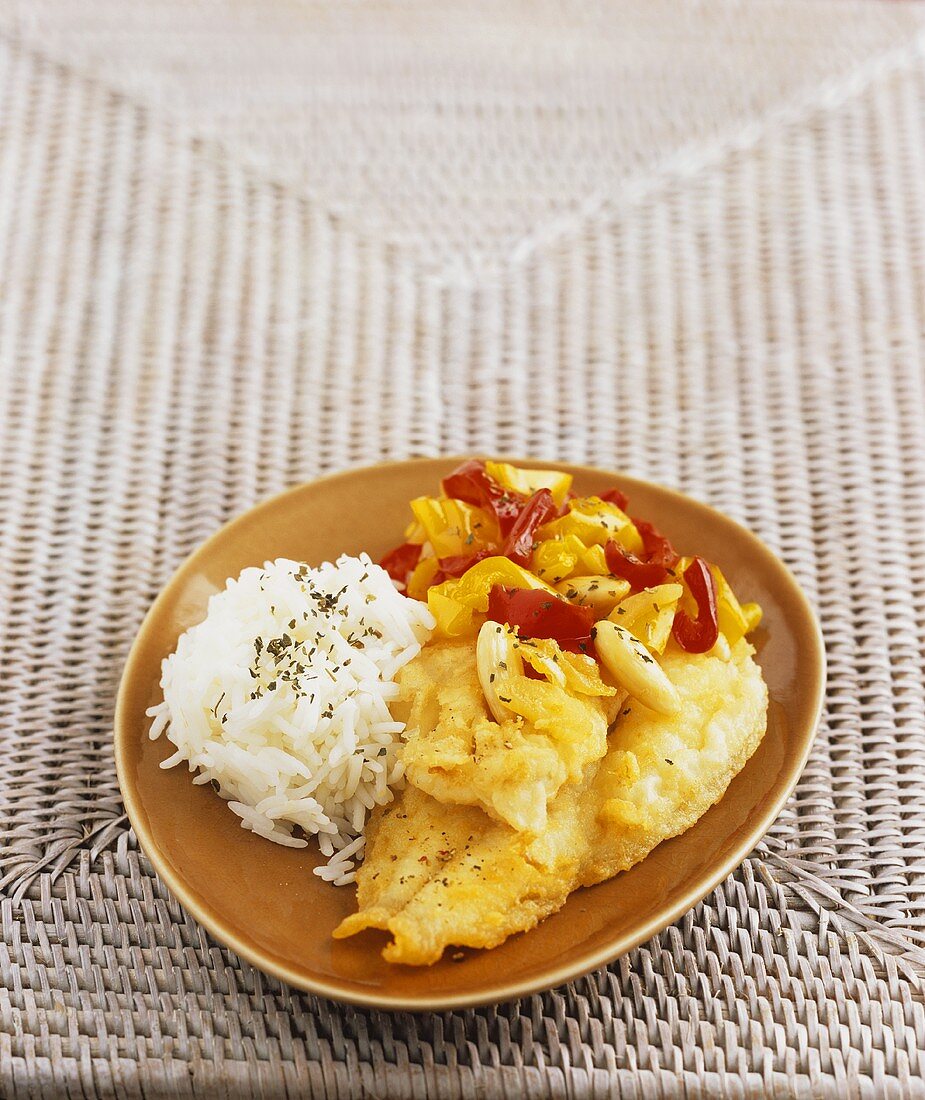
633, 667
496, 661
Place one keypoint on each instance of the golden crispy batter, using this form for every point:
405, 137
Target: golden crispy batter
438, 874
459, 754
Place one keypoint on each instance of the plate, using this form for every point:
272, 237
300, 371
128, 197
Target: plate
262, 900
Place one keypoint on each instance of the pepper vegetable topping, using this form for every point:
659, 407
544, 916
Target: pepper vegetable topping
700, 634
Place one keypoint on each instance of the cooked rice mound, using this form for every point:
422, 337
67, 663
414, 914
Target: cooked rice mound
280, 698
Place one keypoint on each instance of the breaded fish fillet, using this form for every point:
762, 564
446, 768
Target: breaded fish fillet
438, 874
459, 754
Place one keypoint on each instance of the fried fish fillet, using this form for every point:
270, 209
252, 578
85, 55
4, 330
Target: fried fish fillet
438, 874
459, 754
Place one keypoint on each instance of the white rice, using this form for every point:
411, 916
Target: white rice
279, 697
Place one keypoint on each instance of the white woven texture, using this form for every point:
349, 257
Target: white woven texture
242, 244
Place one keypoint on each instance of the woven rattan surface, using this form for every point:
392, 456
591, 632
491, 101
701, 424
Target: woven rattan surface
242, 244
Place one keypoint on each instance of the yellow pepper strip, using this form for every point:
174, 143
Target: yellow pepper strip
454, 619
593, 561
649, 615
601, 594
556, 559
422, 578
528, 482
753, 615
595, 522
415, 533
453, 527
687, 602
458, 604
574, 671
729, 614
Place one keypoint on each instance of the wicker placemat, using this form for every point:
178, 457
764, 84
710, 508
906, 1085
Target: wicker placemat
683, 240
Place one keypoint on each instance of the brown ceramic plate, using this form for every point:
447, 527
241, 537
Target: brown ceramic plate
262, 900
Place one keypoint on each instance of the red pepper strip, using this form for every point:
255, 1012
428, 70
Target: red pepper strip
700, 634
519, 544
657, 547
458, 564
614, 496
400, 562
565, 507
471, 483
641, 574
536, 613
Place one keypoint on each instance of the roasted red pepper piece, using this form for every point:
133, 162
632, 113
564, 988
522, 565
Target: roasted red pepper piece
536, 613
400, 562
700, 634
641, 574
470, 483
458, 564
657, 547
614, 496
519, 544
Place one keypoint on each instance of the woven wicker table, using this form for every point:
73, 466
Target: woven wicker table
243, 244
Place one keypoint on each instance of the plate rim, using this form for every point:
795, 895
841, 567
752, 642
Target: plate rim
499, 993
